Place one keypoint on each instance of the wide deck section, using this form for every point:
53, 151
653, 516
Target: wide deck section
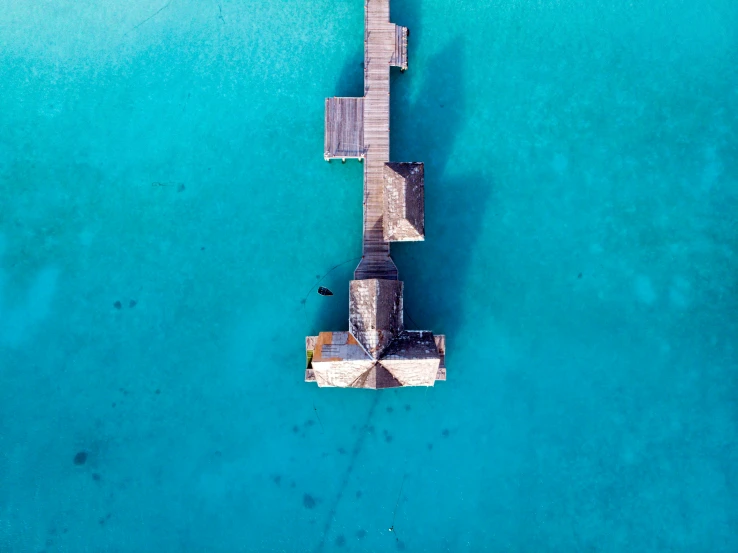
399, 58
344, 128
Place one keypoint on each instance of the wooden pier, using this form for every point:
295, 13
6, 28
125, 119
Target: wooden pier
377, 351
359, 128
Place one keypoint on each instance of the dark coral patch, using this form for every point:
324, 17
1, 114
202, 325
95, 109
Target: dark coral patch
308, 501
80, 458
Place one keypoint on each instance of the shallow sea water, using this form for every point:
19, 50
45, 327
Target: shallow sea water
581, 199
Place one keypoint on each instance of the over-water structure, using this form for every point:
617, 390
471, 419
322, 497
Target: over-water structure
377, 351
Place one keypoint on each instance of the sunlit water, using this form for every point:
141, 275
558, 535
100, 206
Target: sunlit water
164, 209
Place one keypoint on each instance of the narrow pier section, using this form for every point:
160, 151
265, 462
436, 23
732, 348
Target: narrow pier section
380, 52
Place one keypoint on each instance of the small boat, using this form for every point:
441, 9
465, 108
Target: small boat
323, 291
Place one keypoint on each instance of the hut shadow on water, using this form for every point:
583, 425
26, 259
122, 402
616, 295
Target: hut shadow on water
425, 128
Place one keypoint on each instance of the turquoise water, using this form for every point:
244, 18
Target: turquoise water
581, 194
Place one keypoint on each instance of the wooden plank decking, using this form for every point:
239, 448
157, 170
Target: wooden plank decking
380, 40
344, 128
399, 58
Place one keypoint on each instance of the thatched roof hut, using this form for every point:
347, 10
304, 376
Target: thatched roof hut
376, 352
404, 202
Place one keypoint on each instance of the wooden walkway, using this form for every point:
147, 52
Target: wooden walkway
385, 44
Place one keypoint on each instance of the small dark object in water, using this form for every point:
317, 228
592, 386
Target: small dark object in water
117, 305
80, 458
95, 477
308, 501
323, 291
132, 303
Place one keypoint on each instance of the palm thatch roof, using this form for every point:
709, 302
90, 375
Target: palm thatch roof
404, 202
376, 352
